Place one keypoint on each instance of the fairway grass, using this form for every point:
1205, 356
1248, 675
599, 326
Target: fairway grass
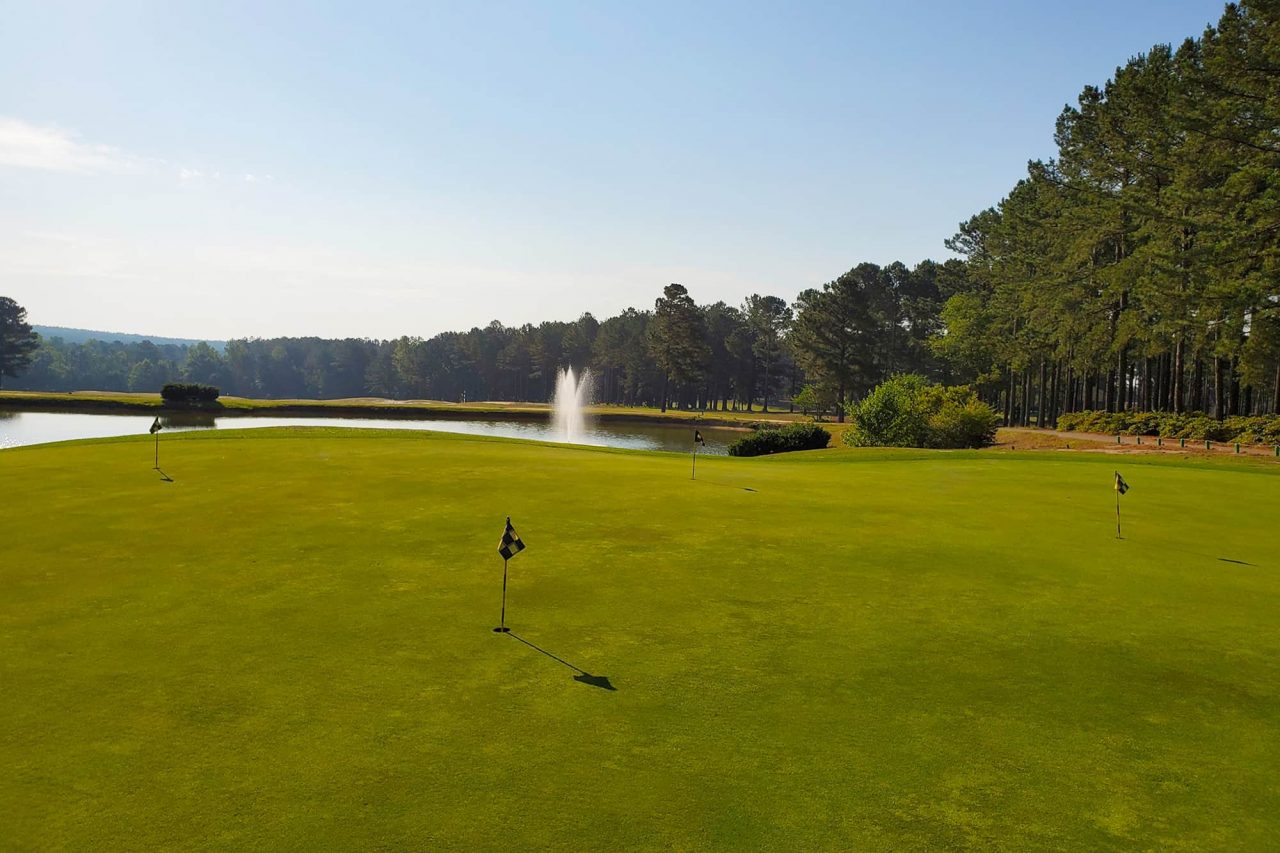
289, 645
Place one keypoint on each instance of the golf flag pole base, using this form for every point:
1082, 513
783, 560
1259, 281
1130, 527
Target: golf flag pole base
502, 622
1118, 536
697, 439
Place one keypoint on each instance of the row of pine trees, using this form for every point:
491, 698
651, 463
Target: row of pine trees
847, 336
1140, 268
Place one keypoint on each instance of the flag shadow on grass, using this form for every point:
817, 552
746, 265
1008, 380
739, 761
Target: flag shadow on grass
1184, 552
165, 477
601, 681
726, 485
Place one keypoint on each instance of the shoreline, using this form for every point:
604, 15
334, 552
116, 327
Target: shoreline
91, 402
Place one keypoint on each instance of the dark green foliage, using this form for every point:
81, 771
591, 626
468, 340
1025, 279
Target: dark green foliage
768, 319
147, 376
1138, 269
907, 411
686, 355
868, 324
677, 338
189, 392
815, 399
891, 415
793, 437
17, 342
958, 418
1256, 429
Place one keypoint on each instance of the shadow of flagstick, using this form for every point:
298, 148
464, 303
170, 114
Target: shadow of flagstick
726, 485
165, 477
601, 681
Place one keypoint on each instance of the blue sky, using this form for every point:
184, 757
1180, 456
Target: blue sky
373, 169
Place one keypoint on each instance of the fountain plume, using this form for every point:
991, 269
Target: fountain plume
568, 414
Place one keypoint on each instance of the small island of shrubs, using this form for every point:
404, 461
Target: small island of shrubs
190, 393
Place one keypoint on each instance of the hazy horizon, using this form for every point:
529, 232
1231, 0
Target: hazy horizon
403, 169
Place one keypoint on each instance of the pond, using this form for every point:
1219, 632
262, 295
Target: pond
23, 428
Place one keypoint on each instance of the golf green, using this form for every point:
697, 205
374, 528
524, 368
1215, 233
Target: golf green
288, 644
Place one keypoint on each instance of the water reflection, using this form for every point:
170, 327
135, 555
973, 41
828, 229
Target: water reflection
23, 428
189, 420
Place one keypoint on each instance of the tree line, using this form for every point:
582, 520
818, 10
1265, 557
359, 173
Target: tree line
843, 338
1139, 270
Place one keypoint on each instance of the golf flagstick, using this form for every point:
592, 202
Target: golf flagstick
155, 430
697, 439
508, 547
502, 620
1121, 487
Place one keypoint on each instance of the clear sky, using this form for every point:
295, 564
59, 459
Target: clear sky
232, 169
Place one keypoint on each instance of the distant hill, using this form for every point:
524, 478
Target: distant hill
79, 336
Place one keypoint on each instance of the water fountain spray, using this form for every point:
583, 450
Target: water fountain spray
568, 418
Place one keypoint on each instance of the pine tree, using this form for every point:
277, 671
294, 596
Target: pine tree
18, 342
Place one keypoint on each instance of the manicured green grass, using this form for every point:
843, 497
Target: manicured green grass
289, 646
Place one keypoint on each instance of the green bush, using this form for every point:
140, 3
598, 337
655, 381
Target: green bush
793, 437
958, 418
906, 411
1257, 429
892, 415
189, 392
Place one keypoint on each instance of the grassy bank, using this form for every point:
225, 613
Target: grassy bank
289, 645
108, 401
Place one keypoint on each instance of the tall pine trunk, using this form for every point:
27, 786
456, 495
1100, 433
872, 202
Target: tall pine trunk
1028, 381
1197, 388
1178, 394
1234, 398
1122, 380
1219, 387
1041, 400
1008, 401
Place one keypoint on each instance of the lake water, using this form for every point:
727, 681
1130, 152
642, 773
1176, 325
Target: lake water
23, 428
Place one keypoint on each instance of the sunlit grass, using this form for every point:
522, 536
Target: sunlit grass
290, 645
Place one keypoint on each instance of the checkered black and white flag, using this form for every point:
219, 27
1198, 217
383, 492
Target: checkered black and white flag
510, 544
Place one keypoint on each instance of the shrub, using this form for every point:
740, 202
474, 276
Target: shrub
906, 411
958, 418
1258, 429
189, 392
793, 437
892, 415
